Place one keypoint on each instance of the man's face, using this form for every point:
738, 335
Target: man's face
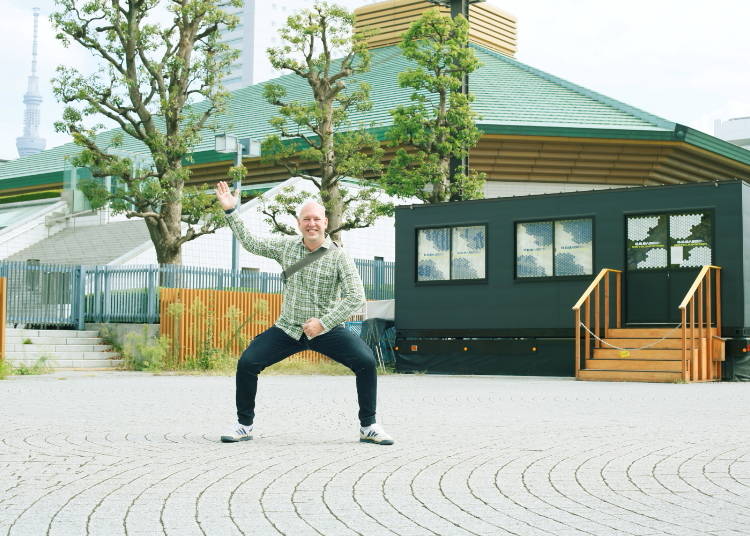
313, 223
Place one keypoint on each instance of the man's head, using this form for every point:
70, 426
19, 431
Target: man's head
312, 221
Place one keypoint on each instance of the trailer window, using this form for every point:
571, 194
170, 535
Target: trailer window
555, 248
452, 253
669, 240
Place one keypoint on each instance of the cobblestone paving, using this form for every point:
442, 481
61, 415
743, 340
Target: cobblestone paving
114, 453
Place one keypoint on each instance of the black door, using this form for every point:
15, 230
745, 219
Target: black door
664, 255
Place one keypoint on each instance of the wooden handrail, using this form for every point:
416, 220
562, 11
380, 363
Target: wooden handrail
691, 291
593, 285
700, 328
585, 302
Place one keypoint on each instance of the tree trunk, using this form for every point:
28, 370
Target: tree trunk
166, 241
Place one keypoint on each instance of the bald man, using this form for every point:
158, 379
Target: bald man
317, 299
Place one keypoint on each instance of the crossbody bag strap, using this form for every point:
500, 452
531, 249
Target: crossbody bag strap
304, 261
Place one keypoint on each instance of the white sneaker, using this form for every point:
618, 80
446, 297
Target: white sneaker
238, 432
374, 434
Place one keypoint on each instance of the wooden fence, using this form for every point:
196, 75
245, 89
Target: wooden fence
199, 321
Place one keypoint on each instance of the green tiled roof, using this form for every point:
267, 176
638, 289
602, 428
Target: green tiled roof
511, 97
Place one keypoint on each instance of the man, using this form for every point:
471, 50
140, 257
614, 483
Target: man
311, 315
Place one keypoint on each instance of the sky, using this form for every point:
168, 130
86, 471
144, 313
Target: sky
687, 61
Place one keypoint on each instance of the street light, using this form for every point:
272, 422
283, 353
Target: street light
225, 143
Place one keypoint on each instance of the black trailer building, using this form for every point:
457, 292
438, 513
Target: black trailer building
487, 286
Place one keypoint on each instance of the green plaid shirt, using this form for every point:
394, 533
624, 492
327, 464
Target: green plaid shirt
329, 288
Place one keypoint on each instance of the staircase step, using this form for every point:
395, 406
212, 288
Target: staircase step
648, 353
637, 343
67, 333
644, 333
649, 333
12, 355
53, 340
71, 363
644, 365
629, 376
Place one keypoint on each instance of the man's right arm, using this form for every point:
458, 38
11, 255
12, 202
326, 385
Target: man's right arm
265, 247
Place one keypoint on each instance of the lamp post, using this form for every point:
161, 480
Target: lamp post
225, 143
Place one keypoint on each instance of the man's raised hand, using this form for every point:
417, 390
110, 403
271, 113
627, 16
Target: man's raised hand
226, 198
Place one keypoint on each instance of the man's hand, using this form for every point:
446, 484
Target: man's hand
312, 328
227, 200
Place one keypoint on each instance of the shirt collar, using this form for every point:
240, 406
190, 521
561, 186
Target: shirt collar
326, 243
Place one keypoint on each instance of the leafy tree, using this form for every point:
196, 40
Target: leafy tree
439, 124
316, 139
149, 76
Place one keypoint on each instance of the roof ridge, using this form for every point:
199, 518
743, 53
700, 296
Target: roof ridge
608, 101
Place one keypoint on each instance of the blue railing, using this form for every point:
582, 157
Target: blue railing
67, 295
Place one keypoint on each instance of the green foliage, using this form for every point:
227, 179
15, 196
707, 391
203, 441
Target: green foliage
39, 367
5, 369
142, 352
439, 123
27, 341
316, 139
149, 76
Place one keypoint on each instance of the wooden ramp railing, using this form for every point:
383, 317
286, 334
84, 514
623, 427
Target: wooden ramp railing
600, 289
702, 345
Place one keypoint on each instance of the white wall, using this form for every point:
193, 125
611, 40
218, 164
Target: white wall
215, 250
29, 230
511, 188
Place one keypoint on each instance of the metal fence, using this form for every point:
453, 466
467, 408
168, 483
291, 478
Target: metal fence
67, 295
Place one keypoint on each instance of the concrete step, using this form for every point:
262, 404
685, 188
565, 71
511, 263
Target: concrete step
71, 363
68, 333
62, 355
629, 376
54, 348
53, 340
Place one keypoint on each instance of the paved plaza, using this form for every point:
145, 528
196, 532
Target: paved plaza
111, 453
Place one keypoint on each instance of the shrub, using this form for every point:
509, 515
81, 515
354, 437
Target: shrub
142, 352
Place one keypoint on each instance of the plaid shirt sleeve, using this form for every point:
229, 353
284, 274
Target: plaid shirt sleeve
265, 247
352, 293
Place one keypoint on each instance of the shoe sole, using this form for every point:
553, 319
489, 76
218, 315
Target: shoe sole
384, 442
230, 439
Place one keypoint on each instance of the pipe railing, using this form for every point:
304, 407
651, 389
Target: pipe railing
701, 329
600, 288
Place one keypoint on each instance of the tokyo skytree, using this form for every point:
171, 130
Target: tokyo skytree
30, 142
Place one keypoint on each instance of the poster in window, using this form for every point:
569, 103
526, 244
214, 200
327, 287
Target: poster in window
433, 254
534, 249
690, 239
468, 255
573, 247
647, 242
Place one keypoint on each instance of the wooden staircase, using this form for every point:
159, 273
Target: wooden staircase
690, 352
642, 355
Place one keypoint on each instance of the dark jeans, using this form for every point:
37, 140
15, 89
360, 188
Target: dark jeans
273, 345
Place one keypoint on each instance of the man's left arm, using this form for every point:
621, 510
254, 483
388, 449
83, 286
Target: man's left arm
352, 294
